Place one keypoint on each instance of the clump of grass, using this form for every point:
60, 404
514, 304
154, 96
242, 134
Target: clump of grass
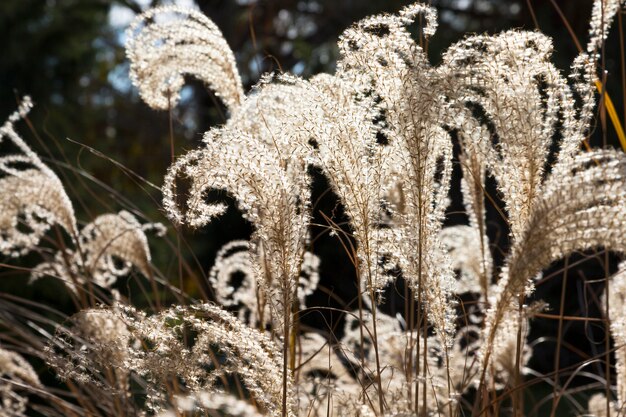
382, 130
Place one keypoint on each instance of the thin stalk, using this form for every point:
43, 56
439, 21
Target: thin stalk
328, 395
518, 395
602, 107
362, 339
449, 383
177, 229
480, 394
531, 9
607, 337
381, 402
622, 62
425, 370
410, 317
293, 338
286, 325
417, 344
557, 353
421, 320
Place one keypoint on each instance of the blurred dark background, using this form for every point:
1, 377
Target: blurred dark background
68, 56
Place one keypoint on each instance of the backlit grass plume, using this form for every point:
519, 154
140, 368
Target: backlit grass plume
384, 131
16, 376
33, 196
107, 249
34, 200
416, 161
195, 348
166, 43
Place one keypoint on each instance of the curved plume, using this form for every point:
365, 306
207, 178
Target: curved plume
263, 165
509, 85
602, 16
236, 261
15, 371
345, 148
103, 242
584, 68
33, 198
115, 235
463, 243
101, 338
31, 202
166, 43
270, 188
418, 155
247, 352
582, 207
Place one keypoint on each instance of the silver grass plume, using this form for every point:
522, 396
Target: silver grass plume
16, 375
90, 352
232, 260
415, 166
510, 79
512, 72
272, 136
101, 244
33, 198
247, 353
584, 68
582, 206
270, 188
166, 43
263, 165
602, 16
92, 348
344, 146
522, 97
321, 119
419, 156
177, 344
235, 258
116, 235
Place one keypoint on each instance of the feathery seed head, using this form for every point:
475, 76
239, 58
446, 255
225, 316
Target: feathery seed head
166, 43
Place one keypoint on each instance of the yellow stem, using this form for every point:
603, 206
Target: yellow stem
610, 108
